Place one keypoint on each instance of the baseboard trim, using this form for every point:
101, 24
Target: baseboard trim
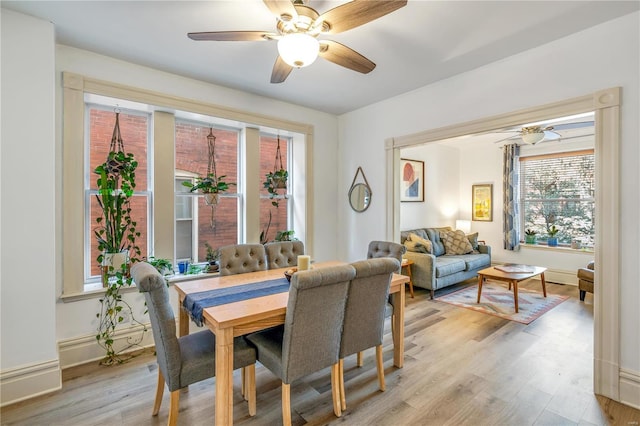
561, 277
630, 388
84, 349
18, 384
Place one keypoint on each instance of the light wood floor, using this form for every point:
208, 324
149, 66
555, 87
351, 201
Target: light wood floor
461, 368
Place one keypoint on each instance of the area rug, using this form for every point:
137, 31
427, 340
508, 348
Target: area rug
498, 301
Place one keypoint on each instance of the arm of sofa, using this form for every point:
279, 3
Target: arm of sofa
484, 249
423, 271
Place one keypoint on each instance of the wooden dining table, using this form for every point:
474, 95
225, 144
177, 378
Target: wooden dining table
247, 316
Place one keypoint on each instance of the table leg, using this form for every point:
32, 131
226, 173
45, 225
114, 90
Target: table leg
183, 320
224, 376
398, 301
515, 293
480, 280
544, 284
410, 280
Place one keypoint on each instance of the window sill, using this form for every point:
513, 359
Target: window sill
95, 290
561, 249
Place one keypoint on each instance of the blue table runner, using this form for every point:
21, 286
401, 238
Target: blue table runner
195, 303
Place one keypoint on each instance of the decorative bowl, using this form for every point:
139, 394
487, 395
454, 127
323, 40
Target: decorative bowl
289, 272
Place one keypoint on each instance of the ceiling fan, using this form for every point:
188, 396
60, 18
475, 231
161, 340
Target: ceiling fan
298, 27
531, 135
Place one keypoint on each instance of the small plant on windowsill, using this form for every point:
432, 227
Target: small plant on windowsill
552, 231
530, 236
286, 236
211, 185
212, 257
163, 266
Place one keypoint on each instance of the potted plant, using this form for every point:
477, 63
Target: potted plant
163, 266
212, 257
273, 182
211, 186
530, 236
285, 236
116, 235
552, 241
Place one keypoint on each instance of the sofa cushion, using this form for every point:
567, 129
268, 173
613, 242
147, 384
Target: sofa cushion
475, 261
455, 242
434, 237
446, 265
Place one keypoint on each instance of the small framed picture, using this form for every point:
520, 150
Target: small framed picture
411, 180
482, 202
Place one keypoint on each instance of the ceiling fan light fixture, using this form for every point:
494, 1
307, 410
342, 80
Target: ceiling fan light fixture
532, 138
299, 49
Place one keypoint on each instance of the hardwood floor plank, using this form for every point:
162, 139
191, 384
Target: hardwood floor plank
461, 368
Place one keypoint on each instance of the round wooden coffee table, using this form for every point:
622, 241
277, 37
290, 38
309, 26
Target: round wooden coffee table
512, 274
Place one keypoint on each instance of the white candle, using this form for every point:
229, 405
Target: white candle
304, 262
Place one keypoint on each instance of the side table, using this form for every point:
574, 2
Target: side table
406, 263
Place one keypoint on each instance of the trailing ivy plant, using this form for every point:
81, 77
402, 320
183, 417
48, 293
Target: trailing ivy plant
116, 232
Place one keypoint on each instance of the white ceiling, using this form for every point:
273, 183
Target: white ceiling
419, 44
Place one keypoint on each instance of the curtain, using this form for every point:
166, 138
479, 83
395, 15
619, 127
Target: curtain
510, 211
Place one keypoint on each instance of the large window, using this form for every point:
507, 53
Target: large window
274, 210
558, 189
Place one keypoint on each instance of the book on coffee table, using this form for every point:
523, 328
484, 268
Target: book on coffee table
515, 268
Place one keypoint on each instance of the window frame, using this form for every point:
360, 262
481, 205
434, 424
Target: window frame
165, 110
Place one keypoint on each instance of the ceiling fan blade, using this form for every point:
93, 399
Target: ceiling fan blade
353, 14
577, 125
550, 135
282, 7
506, 139
281, 71
345, 56
232, 36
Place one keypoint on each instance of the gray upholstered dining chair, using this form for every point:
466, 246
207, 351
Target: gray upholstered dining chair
188, 359
242, 258
281, 254
363, 326
309, 340
378, 249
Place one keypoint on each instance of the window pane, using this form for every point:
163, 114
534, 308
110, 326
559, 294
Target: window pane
184, 204
184, 241
217, 226
278, 218
559, 191
139, 209
133, 128
268, 163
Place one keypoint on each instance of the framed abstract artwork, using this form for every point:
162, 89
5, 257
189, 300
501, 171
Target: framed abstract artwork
411, 180
482, 202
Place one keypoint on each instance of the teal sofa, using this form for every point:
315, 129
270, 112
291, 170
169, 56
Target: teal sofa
438, 269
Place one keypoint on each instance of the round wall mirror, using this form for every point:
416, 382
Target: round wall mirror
360, 197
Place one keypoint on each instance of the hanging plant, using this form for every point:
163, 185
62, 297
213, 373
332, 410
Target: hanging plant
277, 179
116, 235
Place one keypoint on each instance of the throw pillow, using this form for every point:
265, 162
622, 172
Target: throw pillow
455, 242
417, 239
473, 239
415, 247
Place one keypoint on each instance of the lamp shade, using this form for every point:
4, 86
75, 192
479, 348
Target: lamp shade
298, 50
463, 225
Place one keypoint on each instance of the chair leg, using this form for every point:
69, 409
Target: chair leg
243, 380
335, 389
393, 327
583, 293
173, 408
286, 404
432, 293
359, 359
343, 397
250, 388
380, 367
159, 393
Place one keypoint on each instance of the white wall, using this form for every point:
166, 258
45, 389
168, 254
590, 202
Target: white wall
27, 262
32, 192
598, 58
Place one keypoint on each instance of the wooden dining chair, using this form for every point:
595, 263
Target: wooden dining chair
309, 340
188, 359
363, 326
242, 258
282, 254
378, 249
